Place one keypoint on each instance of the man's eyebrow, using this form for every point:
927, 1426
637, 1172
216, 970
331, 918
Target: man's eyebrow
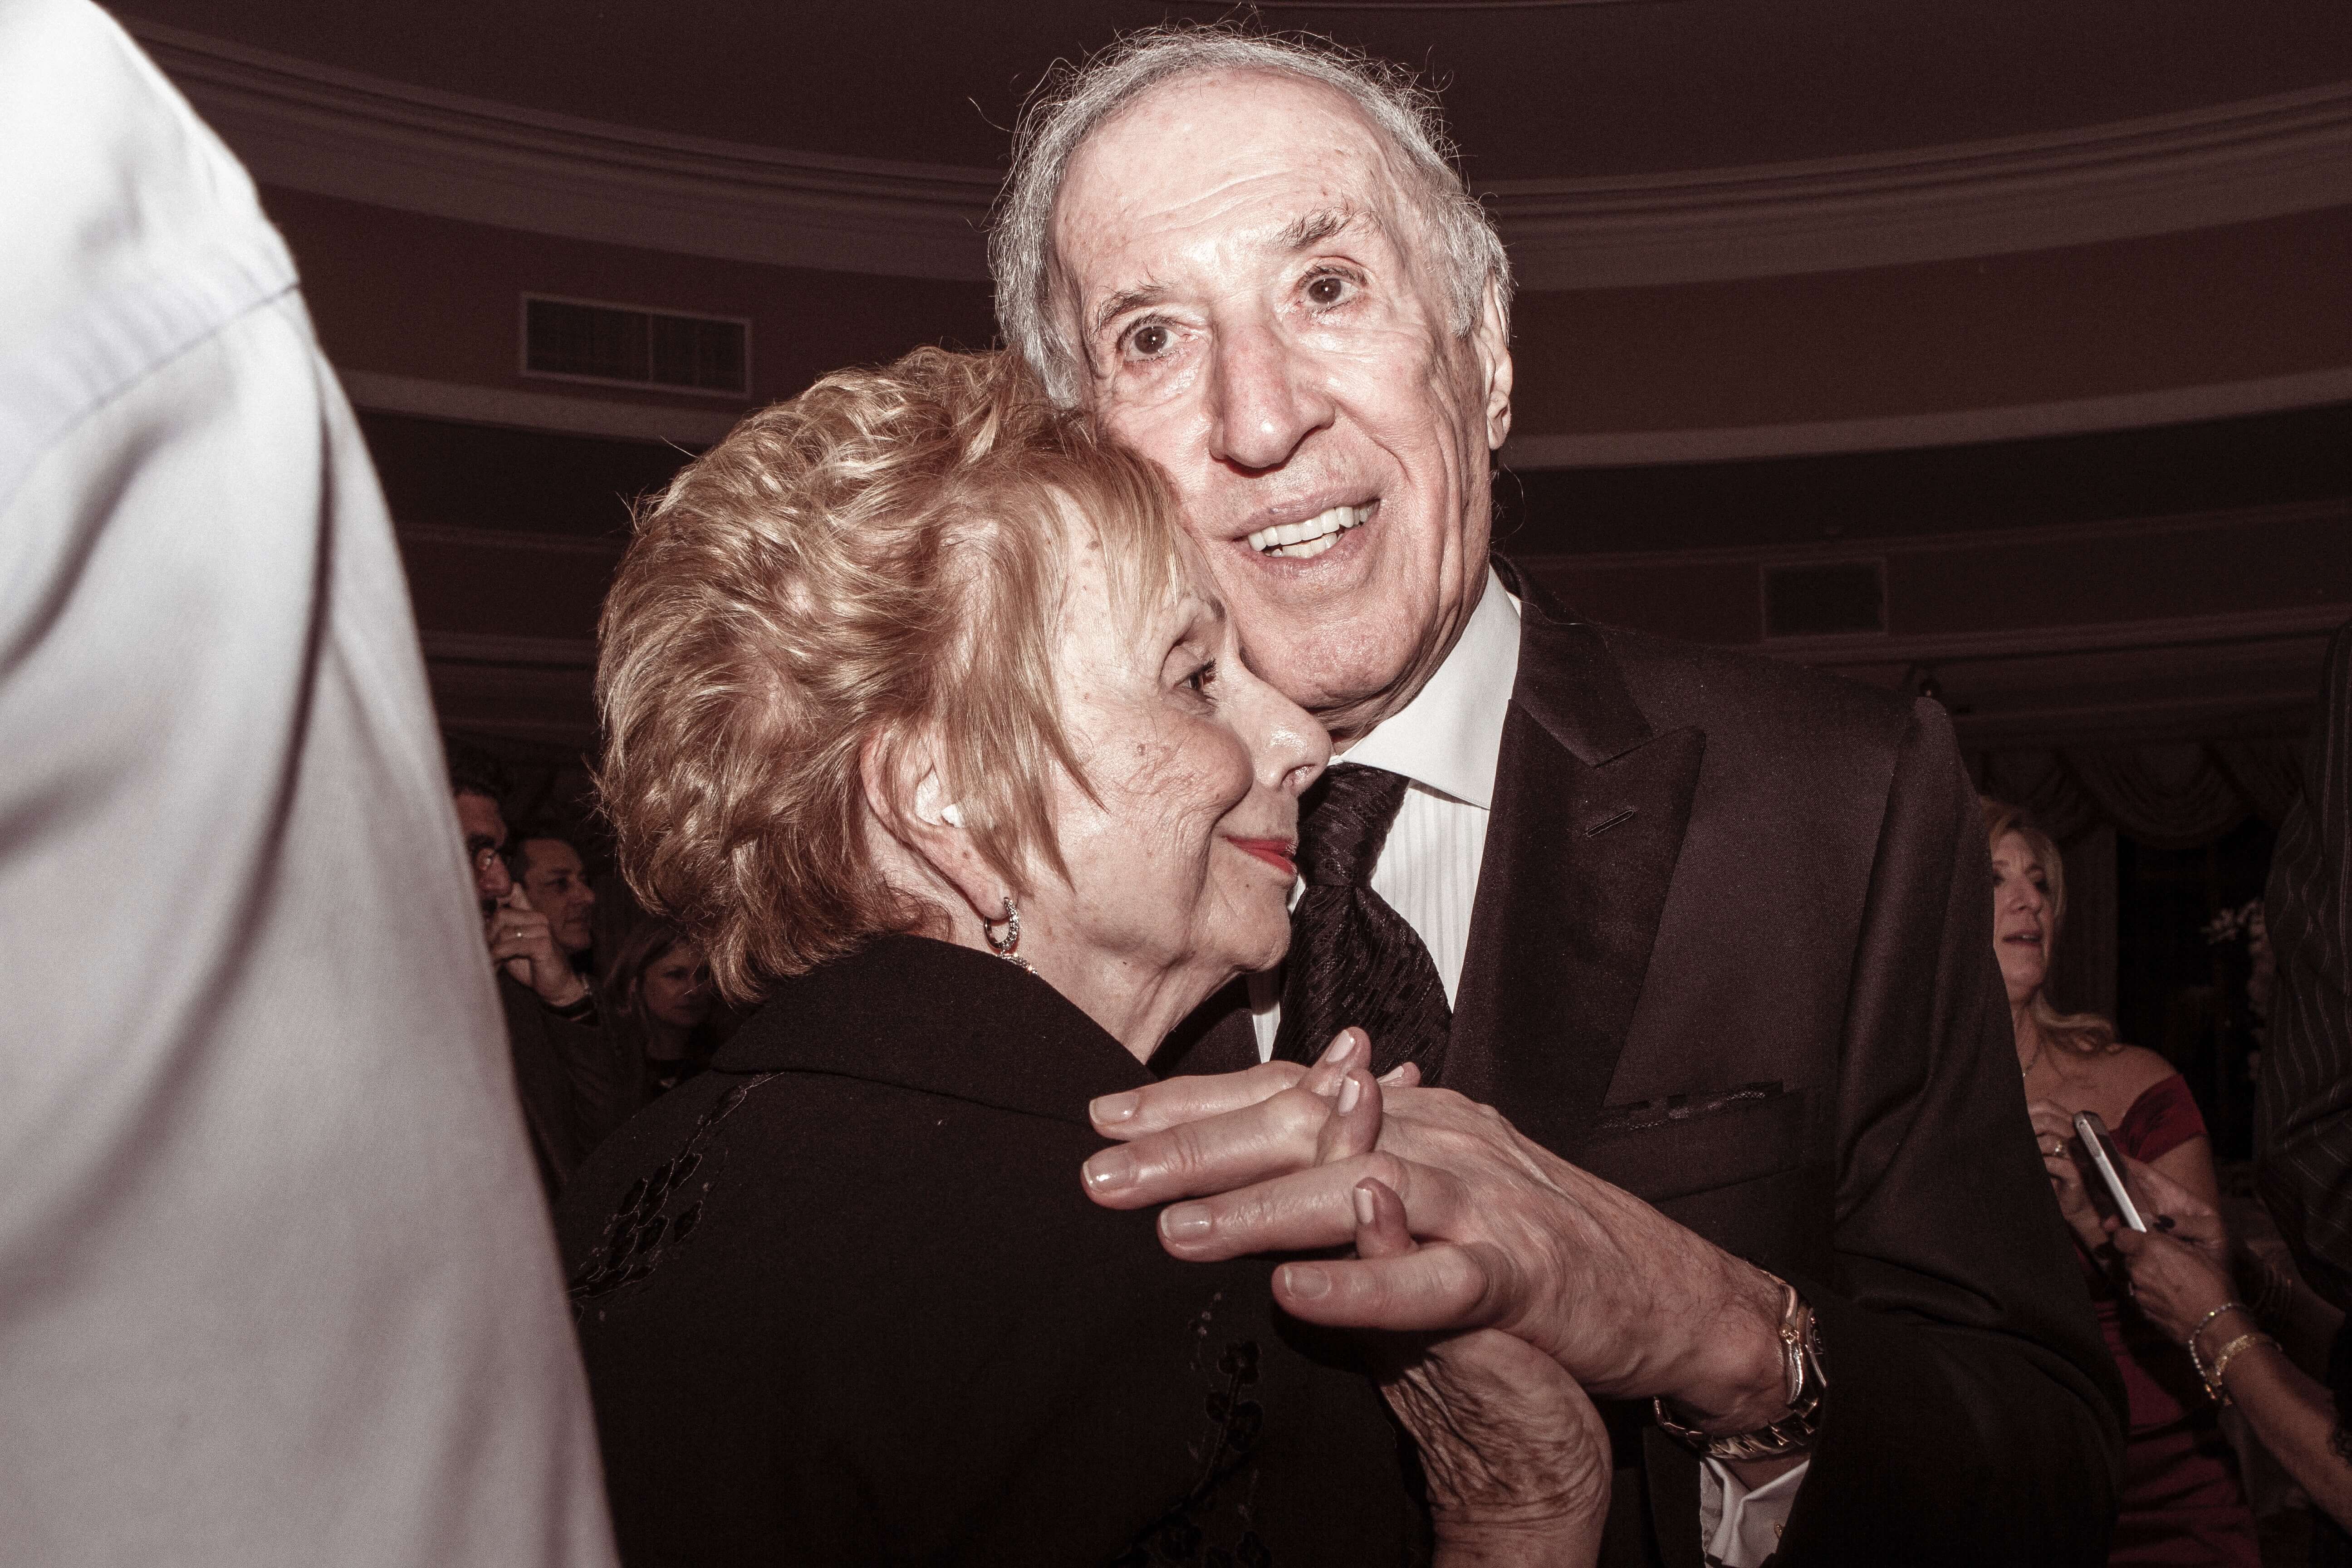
1313, 229
1120, 303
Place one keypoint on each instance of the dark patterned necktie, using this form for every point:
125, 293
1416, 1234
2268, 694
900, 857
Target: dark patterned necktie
1353, 959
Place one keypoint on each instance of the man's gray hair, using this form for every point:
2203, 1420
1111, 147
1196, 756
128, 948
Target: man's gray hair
1076, 99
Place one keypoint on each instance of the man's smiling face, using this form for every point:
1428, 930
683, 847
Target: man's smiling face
1263, 310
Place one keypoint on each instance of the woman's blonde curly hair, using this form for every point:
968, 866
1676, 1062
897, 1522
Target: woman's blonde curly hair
878, 559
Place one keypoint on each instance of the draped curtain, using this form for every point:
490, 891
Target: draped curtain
2174, 796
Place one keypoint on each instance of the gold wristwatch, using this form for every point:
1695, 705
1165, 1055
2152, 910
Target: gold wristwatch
1800, 1366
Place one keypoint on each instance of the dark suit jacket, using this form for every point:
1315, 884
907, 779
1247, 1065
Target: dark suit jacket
2303, 1122
575, 1084
1732, 950
843, 1301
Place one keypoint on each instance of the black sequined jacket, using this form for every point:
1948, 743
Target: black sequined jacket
843, 1301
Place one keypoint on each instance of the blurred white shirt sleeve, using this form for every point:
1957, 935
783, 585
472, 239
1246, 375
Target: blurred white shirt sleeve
276, 1282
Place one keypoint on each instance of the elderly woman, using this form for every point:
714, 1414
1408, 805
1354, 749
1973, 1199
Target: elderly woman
2181, 1500
924, 725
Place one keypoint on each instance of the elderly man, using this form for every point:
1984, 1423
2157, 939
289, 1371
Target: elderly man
1709, 933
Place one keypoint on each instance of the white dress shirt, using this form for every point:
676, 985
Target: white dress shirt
1448, 742
276, 1282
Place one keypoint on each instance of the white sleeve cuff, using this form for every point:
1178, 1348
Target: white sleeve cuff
1742, 1528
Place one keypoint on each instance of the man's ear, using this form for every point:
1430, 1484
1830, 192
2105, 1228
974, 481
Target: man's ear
907, 801
1492, 339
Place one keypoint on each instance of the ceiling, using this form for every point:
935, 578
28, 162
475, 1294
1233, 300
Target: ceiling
1537, 89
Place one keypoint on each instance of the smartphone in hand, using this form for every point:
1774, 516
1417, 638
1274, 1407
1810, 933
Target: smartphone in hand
2108, 1162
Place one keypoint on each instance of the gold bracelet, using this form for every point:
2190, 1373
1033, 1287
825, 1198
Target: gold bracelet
2214, 1384
1803, 1379
2225, 1307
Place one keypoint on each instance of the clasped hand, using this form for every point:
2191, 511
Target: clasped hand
1512, 1237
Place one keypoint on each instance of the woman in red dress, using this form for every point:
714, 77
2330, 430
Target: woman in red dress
2181, 1501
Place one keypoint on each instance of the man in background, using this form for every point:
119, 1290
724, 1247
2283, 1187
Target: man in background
2303, 1134
274, 1285
575, 1082
547, 867
2303, 1107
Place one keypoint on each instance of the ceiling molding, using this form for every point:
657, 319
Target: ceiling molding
383, 393
2011, 536
334, 132
340, 133
2295, 623
2234, 162
508, 652
2274, 711
608, 548
549, 411
1952, 427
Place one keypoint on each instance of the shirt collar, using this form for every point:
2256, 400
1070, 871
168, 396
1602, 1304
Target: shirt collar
1449, 738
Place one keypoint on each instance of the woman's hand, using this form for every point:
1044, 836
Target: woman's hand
2179, 1269
2192, 1219
2173, 1282
2054, 1137
1515, 1458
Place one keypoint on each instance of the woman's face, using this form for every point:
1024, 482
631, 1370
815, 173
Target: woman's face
1181, 866
2023, 924
677, 988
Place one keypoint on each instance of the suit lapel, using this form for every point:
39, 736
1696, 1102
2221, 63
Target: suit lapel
1589, 813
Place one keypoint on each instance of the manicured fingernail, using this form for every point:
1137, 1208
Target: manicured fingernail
1365, 1211
1394, 1075
1114, 1108
1185, 1222
1351, 1090
1110, 1170
1341, 1049
1305, 1281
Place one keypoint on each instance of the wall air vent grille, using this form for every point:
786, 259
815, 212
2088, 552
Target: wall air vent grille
1821, 598
624, 345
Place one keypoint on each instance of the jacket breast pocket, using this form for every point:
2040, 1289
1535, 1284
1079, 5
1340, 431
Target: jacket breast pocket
1744, 1168
1669, 1149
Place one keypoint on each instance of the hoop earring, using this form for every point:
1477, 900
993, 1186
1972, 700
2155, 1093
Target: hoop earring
1008, 947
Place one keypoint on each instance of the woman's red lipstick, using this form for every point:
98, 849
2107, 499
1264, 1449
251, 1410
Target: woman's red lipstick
1275, 852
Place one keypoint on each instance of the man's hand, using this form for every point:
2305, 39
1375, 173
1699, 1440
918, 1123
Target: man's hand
522, 939
1630, 1303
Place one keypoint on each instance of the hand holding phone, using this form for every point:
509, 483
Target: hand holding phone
2108, 1162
